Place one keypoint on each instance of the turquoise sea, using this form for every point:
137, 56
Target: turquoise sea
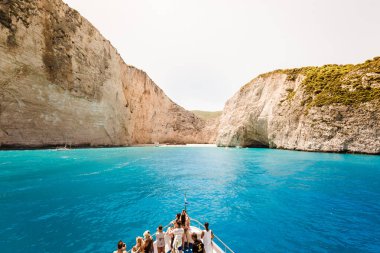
256, 200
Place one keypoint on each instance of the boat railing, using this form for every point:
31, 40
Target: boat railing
225, 246
200, 225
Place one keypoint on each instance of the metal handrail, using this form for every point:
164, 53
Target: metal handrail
200, 224
219, 240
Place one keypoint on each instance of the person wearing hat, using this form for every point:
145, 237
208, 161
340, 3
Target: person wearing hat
121, 247
148, 242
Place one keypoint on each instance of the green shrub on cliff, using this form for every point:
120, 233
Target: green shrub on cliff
337, 84
343, 84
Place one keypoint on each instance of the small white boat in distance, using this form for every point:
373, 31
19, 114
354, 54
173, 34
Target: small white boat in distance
62, 148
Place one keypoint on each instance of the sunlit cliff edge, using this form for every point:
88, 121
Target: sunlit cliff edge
333, 108
62, 82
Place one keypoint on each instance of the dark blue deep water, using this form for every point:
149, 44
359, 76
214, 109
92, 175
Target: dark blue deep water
256, 200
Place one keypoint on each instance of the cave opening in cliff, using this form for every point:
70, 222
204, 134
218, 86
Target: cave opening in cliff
256, 144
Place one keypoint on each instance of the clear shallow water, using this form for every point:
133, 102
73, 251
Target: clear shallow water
256, 200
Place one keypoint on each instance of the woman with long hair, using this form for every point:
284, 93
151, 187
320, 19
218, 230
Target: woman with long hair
207, 236
138, 246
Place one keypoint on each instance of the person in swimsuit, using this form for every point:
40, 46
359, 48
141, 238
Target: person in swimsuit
177, 219
184, 218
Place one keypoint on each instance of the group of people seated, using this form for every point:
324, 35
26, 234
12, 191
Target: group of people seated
178, 238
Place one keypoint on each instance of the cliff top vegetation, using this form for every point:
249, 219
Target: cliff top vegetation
207, 115
337, 84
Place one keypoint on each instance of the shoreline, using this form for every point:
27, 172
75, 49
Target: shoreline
86, 146
189, 145
168, 145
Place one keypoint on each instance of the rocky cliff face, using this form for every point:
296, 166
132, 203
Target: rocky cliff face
61, 83
334, 108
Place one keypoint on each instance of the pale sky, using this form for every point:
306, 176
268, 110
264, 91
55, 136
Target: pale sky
200, 52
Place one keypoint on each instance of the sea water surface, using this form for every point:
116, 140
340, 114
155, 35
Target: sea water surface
256, 200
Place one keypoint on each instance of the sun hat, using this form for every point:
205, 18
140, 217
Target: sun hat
146, 233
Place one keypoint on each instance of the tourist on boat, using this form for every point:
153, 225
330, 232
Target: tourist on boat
148, 242
188, 240
198, 246
207, 236
183, 218
139, 245
177, 218
185, 223
160, 239
179, 235
169, 238
121, 247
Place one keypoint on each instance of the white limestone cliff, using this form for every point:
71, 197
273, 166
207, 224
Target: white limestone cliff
275, 110
62, 82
